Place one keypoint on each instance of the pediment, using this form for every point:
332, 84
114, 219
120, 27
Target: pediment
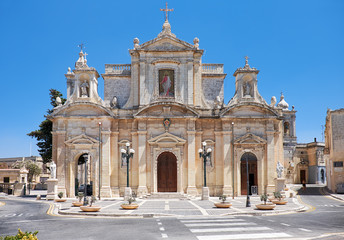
164, 110
167, 140
249, 110
81, 110
166, 43
250, 138
82, 141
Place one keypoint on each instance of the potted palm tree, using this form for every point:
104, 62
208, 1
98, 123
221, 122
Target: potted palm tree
79, 202
265, 206
60, 199
130, 205
279, 200
223, 203
90, 207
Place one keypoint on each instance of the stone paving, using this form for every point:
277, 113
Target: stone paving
176, 207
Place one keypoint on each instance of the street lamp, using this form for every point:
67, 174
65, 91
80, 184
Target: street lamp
203, 153
127, 153
248, 202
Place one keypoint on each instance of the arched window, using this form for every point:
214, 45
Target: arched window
286, 128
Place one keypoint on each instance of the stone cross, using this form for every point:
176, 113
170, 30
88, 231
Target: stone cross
85, 54
166, 10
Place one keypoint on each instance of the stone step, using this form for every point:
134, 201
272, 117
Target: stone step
167, 195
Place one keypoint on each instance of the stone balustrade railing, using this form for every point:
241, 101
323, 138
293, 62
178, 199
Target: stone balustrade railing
118, 68
212, 68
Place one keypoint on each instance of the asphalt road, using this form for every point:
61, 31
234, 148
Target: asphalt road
326, 216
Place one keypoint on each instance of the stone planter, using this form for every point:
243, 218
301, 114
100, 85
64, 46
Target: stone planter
279, 202
77, 204
60, 200
90, 208
268, 206
129, 206
223, 205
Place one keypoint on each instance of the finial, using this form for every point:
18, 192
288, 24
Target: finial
196, 42
166, 10
246, 60
136, 43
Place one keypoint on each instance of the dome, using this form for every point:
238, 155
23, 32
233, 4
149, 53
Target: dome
282, 103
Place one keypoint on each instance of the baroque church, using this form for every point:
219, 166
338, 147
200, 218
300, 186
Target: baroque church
165, 105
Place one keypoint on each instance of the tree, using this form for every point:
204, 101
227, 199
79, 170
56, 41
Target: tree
43, 134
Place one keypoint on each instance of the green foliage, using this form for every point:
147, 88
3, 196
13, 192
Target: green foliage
223, 198
60, 195
131, 199
278, 195
31, 166
22, 235
80, 196
92, 200
264, 198
43, 134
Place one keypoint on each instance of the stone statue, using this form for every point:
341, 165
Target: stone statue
52, 170
247, 89
196, 42
218, 103
84, 87
136, 43
58, 101
114, 102
279, 170
273, 101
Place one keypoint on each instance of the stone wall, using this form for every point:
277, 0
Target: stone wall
119, 87
212, 87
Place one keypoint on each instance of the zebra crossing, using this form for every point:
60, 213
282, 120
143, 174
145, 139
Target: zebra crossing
230, 228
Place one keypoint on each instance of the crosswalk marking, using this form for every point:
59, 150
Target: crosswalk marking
212, 220
244, 236
233, 229
219, 224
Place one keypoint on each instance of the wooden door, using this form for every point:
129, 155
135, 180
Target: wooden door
167, 172
252, 173
303, 176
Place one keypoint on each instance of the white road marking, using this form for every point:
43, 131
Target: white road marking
306, 230
244, 236
203, 211
163, 235
159, 223
162, 229
234, 229
111, 205
212, 220
43, 220
218, 224
284, 224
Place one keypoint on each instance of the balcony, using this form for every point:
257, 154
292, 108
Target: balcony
212, 68
120, 69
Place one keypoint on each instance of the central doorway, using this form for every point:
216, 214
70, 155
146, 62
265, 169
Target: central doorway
167, 172
252, 172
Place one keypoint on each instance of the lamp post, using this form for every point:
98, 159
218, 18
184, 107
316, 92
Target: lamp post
127, 153
248, 202
85, 184
100, 159
203, 153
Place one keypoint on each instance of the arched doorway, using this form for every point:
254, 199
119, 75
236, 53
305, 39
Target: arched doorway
167, 172
252, 172
82, 177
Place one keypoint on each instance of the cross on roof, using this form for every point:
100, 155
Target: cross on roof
81, 46
166, 10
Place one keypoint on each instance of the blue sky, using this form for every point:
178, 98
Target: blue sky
298, 46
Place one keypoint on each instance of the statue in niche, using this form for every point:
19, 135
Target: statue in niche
247, 89
218, 103
84, 89
114, 102
279, 170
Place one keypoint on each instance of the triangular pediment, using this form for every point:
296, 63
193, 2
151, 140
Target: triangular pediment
82, 141
250, 110
167, 140
81, 109
250, 138
166, 43
166, 110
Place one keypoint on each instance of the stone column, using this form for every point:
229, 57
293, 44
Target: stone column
59, 138
227, 163
219, 163
190, 82
134, 175
105, 190
271, 163
114, 163
191, 189
142, 87
142, 189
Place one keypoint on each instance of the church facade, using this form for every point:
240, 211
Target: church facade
165, 104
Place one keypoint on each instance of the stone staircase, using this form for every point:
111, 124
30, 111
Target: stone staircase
167, 195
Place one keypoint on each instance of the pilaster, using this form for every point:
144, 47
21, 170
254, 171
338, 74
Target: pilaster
191, 189
114, 174
105, 190
142, 140
227, 173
